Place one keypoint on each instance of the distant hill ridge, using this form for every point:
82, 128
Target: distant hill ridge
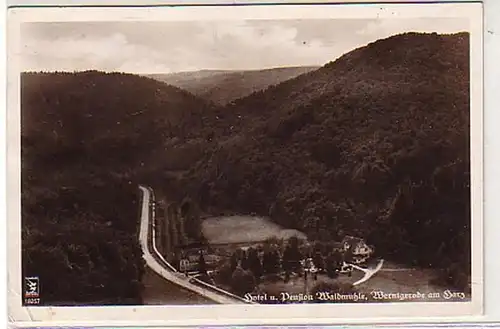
222, 87
378, 62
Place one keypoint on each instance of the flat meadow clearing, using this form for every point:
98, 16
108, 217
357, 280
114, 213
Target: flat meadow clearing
243, 229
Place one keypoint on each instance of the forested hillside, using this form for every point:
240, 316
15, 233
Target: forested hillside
374, 144
88, 140
223, 87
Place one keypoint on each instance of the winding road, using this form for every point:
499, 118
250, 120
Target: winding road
158, 264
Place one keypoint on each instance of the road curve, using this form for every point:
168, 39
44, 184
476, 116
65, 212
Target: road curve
369, 272
163, 270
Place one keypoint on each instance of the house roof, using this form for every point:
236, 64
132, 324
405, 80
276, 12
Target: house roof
352, 240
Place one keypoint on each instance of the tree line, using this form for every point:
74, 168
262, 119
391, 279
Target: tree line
277, 260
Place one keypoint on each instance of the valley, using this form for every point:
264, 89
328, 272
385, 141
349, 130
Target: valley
223, 87
373, 144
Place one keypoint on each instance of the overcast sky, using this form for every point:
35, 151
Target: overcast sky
163, 47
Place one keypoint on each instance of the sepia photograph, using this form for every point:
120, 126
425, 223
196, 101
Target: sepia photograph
251, 160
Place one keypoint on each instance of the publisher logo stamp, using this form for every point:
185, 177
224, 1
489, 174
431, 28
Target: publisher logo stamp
31, 290
31, 287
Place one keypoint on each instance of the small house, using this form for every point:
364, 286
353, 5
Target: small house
357, 247
192, 262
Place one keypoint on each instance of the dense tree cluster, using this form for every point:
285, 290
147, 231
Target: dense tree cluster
82, 249
277, 260
245, 268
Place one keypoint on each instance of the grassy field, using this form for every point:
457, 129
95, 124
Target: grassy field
241, 229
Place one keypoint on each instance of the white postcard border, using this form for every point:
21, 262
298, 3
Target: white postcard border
244, 314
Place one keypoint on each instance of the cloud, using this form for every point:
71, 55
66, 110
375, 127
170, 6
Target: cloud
140, 47
387, 27
111, 52
245, 45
